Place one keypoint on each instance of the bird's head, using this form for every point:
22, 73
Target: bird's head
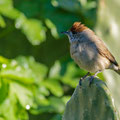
74, 32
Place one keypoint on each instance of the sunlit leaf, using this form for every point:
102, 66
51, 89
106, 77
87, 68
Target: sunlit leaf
55, 70
3, 60
7, 9
25, 70
23, 94
3, 90
72, 75
43, 90
52, 27
18, 73
32, 28
54, 86
66, 99
71, 82
39, 70
2, 22
8, 110
11, 110
57, 104
1, 118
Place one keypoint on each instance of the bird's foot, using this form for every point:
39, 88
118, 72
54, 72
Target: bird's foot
80, 81
92, 77
91, 80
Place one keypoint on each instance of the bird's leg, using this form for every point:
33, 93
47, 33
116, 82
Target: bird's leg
80, 81
92, 77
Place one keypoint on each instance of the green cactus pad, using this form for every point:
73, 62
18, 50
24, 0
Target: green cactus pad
91, 103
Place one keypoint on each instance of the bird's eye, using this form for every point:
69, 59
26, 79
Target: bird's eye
74, 32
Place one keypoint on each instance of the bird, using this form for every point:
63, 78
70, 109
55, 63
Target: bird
89, 51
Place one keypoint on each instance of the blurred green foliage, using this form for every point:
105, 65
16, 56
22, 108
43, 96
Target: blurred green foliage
108, 28
37, 74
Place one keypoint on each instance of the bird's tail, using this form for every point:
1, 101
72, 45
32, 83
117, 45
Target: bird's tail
117, 71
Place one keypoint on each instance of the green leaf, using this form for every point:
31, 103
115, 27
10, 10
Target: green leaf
18, 73
52, 27
54, 86
22, 114
42, 90
69, 81
57, 104
39, 70
1, 118
25, 70
3, 90
2, 22
23, 94
55, 15
66, 99
8, 110
6, 9
72, 75
32, 28
3, 60
55, 70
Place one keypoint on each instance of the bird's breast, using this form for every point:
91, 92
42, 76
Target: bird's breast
87, 57
83, 52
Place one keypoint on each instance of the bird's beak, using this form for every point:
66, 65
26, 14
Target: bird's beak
65, 32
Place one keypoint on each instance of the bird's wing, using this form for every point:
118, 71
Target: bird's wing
103, 50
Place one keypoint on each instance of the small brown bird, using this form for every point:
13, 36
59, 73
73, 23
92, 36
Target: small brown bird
89, 51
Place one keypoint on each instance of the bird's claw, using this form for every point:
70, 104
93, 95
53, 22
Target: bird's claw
91, 80
80, 82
